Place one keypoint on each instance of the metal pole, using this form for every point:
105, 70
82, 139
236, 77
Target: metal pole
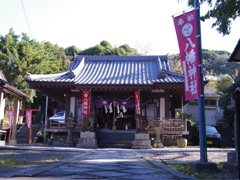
46, 118
201, 106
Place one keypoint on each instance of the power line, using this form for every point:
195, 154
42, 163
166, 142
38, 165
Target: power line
26, 19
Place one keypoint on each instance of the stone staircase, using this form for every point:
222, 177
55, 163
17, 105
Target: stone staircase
115, 139
23, 133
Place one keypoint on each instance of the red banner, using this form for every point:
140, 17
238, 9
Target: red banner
29, 118
86, 99
186, 30
137, 102
10, 120
10, 117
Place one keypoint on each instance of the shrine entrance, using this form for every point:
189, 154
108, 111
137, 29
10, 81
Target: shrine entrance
115, 114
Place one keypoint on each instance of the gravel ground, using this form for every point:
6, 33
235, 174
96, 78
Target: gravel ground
182, 155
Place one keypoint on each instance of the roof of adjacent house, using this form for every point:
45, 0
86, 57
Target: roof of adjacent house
114, 70
8, 88
235, 56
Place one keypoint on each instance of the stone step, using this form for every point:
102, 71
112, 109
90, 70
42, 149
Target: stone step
115, 144
24, 133
115, 137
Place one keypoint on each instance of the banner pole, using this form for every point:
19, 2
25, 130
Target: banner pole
30, 135
201, 106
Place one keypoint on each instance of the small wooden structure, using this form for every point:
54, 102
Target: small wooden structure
6, 89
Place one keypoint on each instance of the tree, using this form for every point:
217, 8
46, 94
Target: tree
145, 48
105, 48
225, 100
175, 63
70, 51
223, 11
20, 55
214, 62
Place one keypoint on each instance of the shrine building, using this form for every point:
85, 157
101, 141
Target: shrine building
115, 94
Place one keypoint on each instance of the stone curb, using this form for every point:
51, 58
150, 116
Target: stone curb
40, 148
172, 171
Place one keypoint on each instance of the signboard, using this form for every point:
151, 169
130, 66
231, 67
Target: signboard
86, 99
137, 102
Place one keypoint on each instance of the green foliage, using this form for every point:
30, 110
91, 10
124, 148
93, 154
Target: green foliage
224, 12
175, 63
27, 55
185, 115
70, 51
225, 100
105, 48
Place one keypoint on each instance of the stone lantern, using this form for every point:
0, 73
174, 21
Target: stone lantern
158, 128
70, 126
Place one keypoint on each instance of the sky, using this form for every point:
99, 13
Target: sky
85, 23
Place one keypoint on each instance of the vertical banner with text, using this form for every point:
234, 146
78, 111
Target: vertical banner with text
10, 121
86, 99
137, 102
29, 118
10, 117
29, 123
186, 30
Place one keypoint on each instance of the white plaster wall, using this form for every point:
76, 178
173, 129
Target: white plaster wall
72, 105
2, 105
162, 107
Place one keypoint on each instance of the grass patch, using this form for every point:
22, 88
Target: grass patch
186, 169
219, 174
11, 162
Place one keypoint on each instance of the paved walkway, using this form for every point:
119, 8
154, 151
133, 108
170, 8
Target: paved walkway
102, 164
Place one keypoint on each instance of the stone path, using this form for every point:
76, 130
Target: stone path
102, 164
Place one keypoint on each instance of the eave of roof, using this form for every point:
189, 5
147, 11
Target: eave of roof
8, 88
235, 56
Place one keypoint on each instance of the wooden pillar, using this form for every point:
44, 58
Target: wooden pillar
13, 140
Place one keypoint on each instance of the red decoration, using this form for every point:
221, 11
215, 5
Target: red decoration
10, 116
186, 30
137, 102
86, 99
29, 118
10, 120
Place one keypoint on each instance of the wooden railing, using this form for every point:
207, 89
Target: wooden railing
53, 124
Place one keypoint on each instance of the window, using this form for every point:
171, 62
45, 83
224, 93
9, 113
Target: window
210, 102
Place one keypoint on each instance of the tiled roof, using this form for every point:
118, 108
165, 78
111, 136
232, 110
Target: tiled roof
115, 70
8, 88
